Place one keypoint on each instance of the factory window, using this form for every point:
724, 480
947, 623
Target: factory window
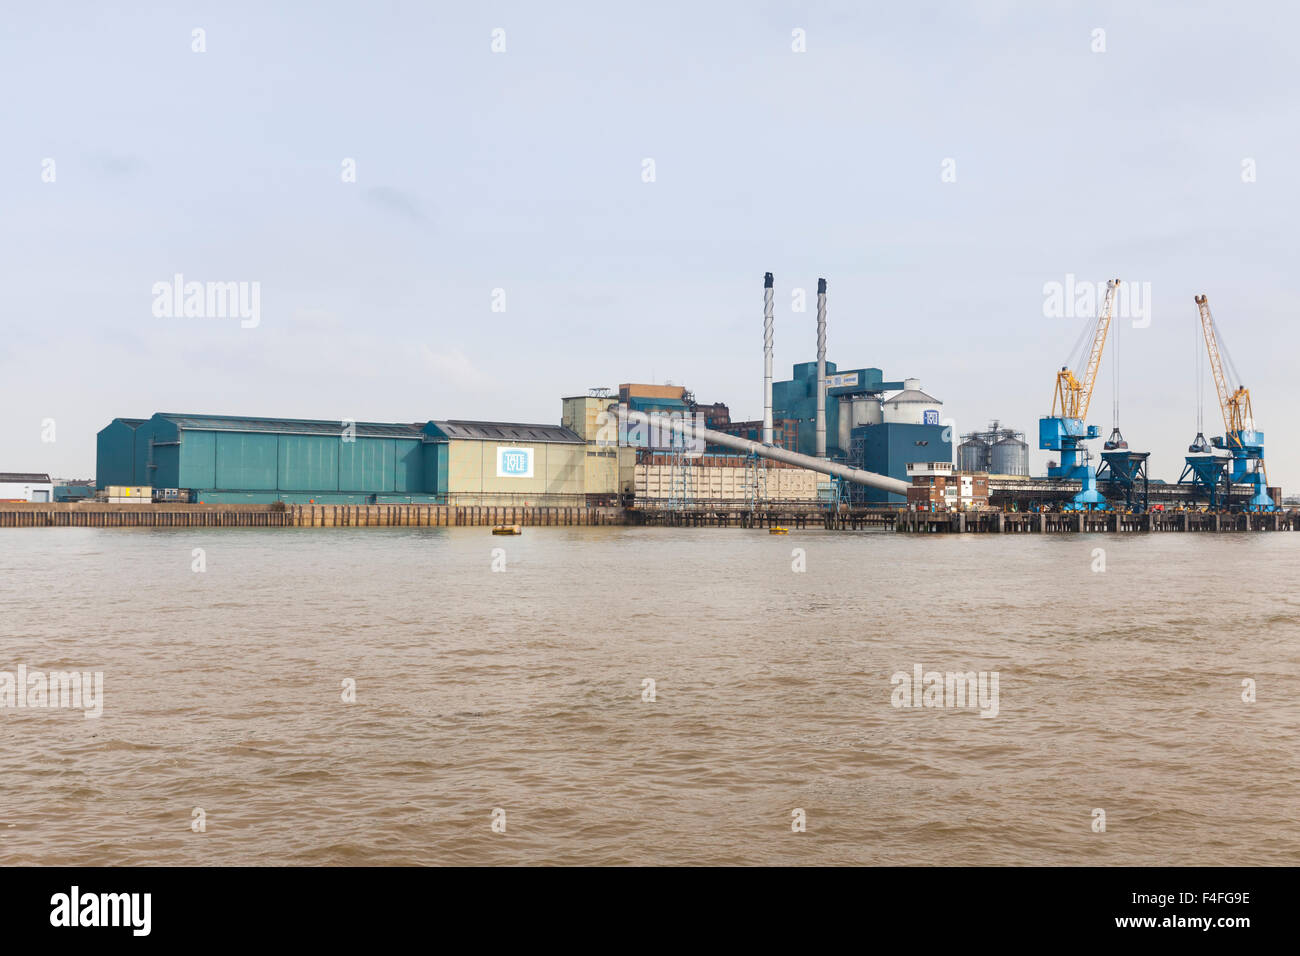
923, 443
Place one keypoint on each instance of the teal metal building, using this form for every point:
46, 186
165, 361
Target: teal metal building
863, 428
234, 459
796, 399
257, 460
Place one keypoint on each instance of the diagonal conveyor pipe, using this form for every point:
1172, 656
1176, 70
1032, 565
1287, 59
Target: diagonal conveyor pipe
772, 452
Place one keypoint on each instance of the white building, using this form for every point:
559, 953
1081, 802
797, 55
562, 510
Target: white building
912, 406
24, 486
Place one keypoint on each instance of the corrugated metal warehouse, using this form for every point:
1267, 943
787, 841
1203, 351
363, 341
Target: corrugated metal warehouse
240, 459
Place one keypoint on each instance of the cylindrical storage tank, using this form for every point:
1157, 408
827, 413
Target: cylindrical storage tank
846, 422
867, 411
973, 455
913, 407
1010, 456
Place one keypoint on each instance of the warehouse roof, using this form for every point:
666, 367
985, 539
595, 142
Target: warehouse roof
23, 476
299, 426
506, 431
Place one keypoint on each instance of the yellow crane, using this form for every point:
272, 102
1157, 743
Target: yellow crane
1241, 437
1235, 405
1065, 430
1073, 396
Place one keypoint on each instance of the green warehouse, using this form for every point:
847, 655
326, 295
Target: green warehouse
238, 459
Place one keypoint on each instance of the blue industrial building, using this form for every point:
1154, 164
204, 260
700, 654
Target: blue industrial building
239, 459
863, 428
235, 459
796, 400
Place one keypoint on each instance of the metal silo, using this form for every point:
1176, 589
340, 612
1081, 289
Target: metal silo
973, 455
1010, 456
912, 406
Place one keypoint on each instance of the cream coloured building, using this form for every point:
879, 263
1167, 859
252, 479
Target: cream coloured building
499, 463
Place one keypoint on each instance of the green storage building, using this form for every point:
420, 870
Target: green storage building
258, 460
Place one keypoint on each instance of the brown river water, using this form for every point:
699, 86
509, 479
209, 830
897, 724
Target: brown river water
521, 691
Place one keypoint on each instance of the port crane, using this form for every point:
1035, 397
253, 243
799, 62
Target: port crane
1065, 429
1237, 457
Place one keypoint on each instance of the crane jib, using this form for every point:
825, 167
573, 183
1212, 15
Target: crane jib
1074, 394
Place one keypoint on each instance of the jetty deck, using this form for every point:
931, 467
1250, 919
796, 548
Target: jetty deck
740, 515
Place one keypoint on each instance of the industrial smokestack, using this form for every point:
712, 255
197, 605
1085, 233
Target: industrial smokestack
821, 368
767, 359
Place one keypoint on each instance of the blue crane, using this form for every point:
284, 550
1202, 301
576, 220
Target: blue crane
1238, 457
1065, 429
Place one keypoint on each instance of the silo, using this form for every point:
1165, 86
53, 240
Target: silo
1010, 456
846, 421
867, 410
913, 406
856, 410
973, 455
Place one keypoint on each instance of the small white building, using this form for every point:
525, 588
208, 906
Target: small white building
25, 486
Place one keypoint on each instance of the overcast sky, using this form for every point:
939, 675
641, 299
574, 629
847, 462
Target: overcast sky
524, 171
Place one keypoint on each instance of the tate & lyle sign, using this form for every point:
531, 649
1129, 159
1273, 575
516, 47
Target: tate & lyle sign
514, 462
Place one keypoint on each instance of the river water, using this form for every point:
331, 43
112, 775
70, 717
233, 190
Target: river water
520, 697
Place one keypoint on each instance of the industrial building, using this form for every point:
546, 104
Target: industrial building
494, 463
663, 480
997, 450
853, 398
25, 486
908, 430
938, 487
864, 429
826, 437
81, 489
656, 399
243, 459
608, 467
785, 431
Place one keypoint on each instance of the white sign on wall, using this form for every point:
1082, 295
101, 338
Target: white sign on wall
514, 462
842, 381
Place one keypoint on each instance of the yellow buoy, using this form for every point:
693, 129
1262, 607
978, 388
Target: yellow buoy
508, 529
778, 530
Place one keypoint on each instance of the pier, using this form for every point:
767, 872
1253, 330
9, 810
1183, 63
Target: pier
799, 516
1095, 522
732, 515
162, 515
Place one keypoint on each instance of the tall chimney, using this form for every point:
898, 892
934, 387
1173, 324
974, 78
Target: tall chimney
821, 368
767, 359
